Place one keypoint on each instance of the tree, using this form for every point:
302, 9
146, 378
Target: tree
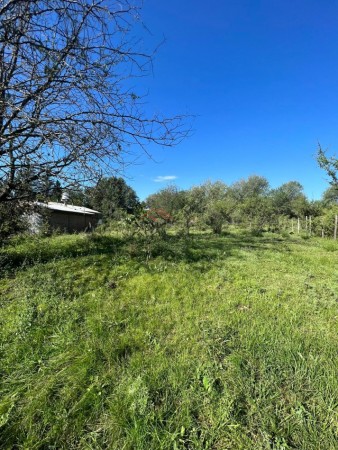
329, 164
45, 189
330, 196
12, 220
251, 198
253, 186
67, 109
112, 195
193, 207
218, 205
209, 204
216, 214
289, 200
170, 199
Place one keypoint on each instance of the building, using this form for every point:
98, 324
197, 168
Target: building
63, 217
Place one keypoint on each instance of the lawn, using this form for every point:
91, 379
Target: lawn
213, 343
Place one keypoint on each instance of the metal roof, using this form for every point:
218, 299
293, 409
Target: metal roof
67, 208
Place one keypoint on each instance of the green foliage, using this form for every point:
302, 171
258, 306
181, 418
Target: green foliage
149, 226
169, 199
289, 200
12, 220
112, 197
148, 222
329, 164
252, 207
253, 186
248, 203
216, 214
193, 208
325, 222
216, 205
330, 196
47, 189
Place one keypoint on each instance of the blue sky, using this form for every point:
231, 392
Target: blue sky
261, 76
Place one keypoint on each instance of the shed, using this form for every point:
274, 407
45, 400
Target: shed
64, 217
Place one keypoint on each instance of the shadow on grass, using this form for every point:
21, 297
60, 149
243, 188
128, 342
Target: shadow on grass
208, 247
191, 249
43, 250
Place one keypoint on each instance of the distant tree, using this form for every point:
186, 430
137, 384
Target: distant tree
193, 207
217, 214
46, 189
170, 199
112, 195
330, 196
78, 196
251, 199
218, 205
290, 200
151, 222
253, 186
55, 192
67, 109
207, 204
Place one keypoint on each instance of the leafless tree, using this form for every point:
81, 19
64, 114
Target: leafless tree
67, 109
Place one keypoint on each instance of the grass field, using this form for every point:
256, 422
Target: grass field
214, 343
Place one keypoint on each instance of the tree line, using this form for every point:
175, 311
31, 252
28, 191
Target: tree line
248, 203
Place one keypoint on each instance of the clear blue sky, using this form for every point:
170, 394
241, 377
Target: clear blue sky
261, 76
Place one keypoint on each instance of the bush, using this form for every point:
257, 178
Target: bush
12, 220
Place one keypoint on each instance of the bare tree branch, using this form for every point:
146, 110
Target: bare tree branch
66, 107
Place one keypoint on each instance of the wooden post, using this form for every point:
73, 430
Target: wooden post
306, 223
292, 226
323, 232
310, 225
335, 227
298, 226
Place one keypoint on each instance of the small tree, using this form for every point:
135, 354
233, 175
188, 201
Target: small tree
216, 214
170, 199
251, 204
193, 207
149, 225
218, 205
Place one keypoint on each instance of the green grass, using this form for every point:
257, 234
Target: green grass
214, 343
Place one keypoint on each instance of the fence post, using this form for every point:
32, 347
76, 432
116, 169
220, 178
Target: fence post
335, 227
310, 225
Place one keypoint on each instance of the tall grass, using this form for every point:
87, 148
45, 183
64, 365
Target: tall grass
214, 343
